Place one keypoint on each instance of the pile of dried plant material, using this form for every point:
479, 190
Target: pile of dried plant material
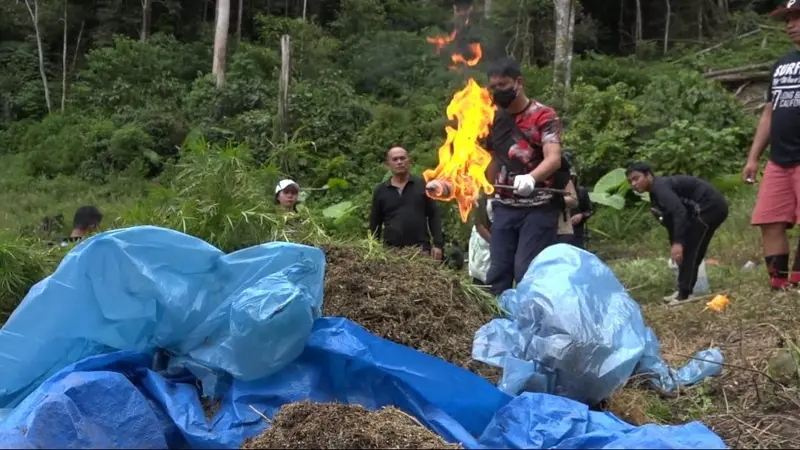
755, 402
332, 425
407, 298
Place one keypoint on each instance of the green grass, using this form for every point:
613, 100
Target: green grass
745, 404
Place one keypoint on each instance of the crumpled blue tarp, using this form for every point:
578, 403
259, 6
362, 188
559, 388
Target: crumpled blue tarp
243, 315
573, 330
117, 401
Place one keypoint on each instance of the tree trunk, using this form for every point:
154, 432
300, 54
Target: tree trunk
487, 8
283, 86
33, 10
305, 7
147, 12
64, 62
239, 16
666, 26
526, 43
565, 21
573, 6
77, 48
699, 20
218, 67
638, 35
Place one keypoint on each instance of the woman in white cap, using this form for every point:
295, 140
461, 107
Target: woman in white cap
286, 194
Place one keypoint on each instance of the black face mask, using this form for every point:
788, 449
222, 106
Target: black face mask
504, 97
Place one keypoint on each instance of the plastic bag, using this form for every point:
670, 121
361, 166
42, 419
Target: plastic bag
117, 401
242, 315
479, 256
572, 330
701, 287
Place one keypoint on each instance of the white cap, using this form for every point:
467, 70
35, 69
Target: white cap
283, 184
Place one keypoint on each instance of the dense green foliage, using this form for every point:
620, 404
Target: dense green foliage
146, 135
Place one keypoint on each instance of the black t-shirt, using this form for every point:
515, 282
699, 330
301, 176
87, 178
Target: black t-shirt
784, 93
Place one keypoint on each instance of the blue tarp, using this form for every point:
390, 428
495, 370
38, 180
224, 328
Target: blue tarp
572, 330
115, 401
146, 288
87, 345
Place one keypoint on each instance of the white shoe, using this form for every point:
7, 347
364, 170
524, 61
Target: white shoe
671, 297
675, 300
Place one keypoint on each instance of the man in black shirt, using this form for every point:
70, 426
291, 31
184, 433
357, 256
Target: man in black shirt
691, 210
403, 211
87, 220
778, 204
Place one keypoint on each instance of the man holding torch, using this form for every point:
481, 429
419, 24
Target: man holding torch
525, 143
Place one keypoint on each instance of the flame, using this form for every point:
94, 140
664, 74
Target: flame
441, 41
477, 53
462, 161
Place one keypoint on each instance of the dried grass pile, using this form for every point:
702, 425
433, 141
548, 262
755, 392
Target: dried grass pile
407, 298
332, 425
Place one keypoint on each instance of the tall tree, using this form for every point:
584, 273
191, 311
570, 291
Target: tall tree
147, 12
218, 67
64, 61
239, 16
565, 30
33, 10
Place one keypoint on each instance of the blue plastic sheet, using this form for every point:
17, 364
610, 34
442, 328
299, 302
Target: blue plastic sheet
117, 401
243, 315
572, 330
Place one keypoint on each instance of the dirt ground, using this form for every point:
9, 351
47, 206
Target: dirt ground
405, 298
331, 425
755, 402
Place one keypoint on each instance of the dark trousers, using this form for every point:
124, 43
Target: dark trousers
518, 236
698, 236
572, 239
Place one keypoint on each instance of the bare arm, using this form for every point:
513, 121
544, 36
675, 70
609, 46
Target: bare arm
761, 139
550, 126
484, 232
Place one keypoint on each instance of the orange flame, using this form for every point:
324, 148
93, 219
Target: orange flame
441, 41
477, 53
462, 161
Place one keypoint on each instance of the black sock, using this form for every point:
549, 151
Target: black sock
796, 266
778, 266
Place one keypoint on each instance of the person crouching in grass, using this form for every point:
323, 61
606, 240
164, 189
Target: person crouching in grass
691, 210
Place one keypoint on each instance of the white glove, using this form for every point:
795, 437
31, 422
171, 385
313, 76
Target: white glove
524, 184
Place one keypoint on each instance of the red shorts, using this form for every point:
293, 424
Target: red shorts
778, 196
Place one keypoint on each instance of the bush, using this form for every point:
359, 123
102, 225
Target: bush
22, 264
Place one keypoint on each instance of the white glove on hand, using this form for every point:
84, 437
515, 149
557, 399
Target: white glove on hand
524, 185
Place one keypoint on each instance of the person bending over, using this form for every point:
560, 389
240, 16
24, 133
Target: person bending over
691, 210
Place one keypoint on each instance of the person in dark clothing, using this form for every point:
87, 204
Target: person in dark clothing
525, 143
87, 220
402, 213
778, 204
578, 216
691, 210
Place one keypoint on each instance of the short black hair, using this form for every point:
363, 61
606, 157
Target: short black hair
386, 153
86, 216
505, 67
639, 167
